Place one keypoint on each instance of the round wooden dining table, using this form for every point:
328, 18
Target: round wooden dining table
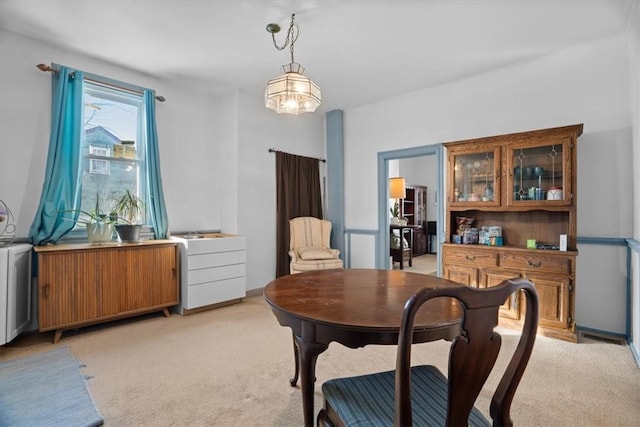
354, 307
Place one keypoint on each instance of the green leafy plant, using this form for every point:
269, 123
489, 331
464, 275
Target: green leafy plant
395, 210
92, 217
127, 207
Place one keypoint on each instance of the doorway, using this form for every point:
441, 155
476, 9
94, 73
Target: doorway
434, 202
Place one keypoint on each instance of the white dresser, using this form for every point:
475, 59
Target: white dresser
15, 290
212, 270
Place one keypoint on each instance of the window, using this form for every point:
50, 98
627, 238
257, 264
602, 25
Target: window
113, 146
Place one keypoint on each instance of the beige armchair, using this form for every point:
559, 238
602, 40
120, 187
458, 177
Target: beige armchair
309, 245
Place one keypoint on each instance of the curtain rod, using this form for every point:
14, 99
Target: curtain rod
273, 150
46, 68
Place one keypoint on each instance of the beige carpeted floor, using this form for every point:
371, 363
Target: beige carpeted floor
231, 366
424, 264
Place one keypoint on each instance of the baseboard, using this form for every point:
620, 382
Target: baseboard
598, 335
255, 292
634, 353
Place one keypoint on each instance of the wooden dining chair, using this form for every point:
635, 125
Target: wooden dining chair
422, 395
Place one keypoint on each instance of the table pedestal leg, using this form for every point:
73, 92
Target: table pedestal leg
308, 352
293, 381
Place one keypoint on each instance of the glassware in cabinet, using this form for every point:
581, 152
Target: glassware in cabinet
474, 178
539, 173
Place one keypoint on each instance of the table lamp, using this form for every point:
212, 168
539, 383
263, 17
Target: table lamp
397, 190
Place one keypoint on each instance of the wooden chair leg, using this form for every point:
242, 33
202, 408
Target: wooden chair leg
296, 356
323, 420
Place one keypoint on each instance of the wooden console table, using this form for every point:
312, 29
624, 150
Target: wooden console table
403, 254
84, 284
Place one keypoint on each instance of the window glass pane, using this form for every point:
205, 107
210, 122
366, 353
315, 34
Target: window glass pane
113, 148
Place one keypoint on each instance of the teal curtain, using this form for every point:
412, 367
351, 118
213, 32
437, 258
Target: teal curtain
62, 178
155, 201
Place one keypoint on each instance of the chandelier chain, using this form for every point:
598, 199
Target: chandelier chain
292, 36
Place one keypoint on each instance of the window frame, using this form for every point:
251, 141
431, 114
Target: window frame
123, 93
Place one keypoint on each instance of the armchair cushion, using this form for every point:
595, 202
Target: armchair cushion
308, 253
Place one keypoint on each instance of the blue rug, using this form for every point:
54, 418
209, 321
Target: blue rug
46, 389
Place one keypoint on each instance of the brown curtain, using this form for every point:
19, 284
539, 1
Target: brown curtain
297, 194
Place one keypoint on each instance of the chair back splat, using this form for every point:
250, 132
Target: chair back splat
422, 395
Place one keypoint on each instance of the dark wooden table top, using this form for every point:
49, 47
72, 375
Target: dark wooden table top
367, 299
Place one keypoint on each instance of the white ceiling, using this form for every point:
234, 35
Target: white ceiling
357, 51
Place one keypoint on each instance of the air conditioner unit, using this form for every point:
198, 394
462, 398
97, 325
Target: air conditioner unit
15, 290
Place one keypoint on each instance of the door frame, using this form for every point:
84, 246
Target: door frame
382, 251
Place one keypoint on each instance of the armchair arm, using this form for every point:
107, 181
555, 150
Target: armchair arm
293, 254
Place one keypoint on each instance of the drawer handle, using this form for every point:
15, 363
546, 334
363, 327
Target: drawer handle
470, 257
45, 290
534, 264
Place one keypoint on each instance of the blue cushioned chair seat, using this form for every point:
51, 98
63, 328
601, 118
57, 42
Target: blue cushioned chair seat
368, 400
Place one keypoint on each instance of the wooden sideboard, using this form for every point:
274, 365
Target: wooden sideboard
552, 273
84, 284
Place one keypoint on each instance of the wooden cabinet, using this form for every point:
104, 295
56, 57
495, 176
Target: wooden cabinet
414, 209
525, 185
212, 271
83, 284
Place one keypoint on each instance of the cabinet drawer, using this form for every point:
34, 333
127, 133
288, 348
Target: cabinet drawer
215, 292
536, 262
468, 256
197, 262
216, 273
203, 246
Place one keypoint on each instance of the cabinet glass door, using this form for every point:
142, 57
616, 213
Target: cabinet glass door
474, 178
538, 174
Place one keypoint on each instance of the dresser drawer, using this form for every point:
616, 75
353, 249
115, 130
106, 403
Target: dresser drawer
216, 292
464, 255
197, 262
203, 246
216, 273
536, 262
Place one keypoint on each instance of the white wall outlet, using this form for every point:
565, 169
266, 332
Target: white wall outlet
563, 242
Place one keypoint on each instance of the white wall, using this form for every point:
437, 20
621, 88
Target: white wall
187, 128
216, 169
634, 84
587, 84
259, 130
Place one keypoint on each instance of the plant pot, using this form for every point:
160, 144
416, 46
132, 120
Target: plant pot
128, 232
99, 232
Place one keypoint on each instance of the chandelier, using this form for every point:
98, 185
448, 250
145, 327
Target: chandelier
291, 92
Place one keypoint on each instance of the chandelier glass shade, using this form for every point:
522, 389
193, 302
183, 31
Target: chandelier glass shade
292, 92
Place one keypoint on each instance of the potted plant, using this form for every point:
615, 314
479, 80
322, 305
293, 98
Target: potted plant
127, 207
99, 225
395, 215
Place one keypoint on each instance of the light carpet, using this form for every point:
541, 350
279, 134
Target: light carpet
45, 389
231, 367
